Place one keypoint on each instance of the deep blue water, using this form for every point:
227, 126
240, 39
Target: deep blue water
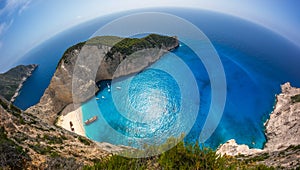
256, 62
248, 104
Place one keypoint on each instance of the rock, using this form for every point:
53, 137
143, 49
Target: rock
59, 93
12, 81
232, 148
283, 126
282, 132
42, 144
85, 64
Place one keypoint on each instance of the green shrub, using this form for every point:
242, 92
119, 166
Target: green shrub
13, 108
120, 163
53, 139
84, 141
12, 156
22, 121
54, 154
63, 137
294, 148
66, 57
182, 156
296, 98
41, 149
257, 158
3, 104
104, 40
191, 157
130, 45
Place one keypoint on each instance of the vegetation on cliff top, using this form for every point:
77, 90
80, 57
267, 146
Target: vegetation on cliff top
182, 156
10, 81
130, 45
104, 40
125, 46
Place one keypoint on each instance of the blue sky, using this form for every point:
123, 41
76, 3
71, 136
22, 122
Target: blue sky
24, 24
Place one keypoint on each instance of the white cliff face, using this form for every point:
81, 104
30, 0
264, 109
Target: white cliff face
233, 149
283, 127
92, 67
59, 93
282, 132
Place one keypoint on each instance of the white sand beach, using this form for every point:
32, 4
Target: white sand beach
76, 118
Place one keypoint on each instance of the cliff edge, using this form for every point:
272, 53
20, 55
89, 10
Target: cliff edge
26, 142
12, 81
106, 54
282, 132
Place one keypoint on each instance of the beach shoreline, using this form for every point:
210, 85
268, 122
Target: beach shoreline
72, 122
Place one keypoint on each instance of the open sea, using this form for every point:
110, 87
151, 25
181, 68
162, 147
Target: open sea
256, 62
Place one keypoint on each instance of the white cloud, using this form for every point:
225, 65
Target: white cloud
24, 6
13, 6
4, 26
6, 14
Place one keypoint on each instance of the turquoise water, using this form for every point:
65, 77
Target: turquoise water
256, 62
251, 95
154, 104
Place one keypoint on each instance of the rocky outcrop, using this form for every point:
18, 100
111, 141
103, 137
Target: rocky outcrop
101, 58
234, 149
283, 126
12, 81
39, 145
59, 92
282, 132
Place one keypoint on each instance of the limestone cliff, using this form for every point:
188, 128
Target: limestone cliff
12, 81
234, 149
282, 131
283, 126
59, 93
98, 59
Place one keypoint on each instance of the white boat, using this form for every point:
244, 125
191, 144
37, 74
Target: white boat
108, 86
97, 98
108, 90
118, 87
103, 97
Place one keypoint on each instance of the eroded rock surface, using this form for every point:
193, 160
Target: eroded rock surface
282, 131
42, 146
99, 59
283, 126
12, 81
234, 149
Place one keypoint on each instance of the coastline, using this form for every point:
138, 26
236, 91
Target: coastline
281, 130
22, 83
76, 118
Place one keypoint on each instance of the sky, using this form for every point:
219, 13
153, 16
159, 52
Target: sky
24, 24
